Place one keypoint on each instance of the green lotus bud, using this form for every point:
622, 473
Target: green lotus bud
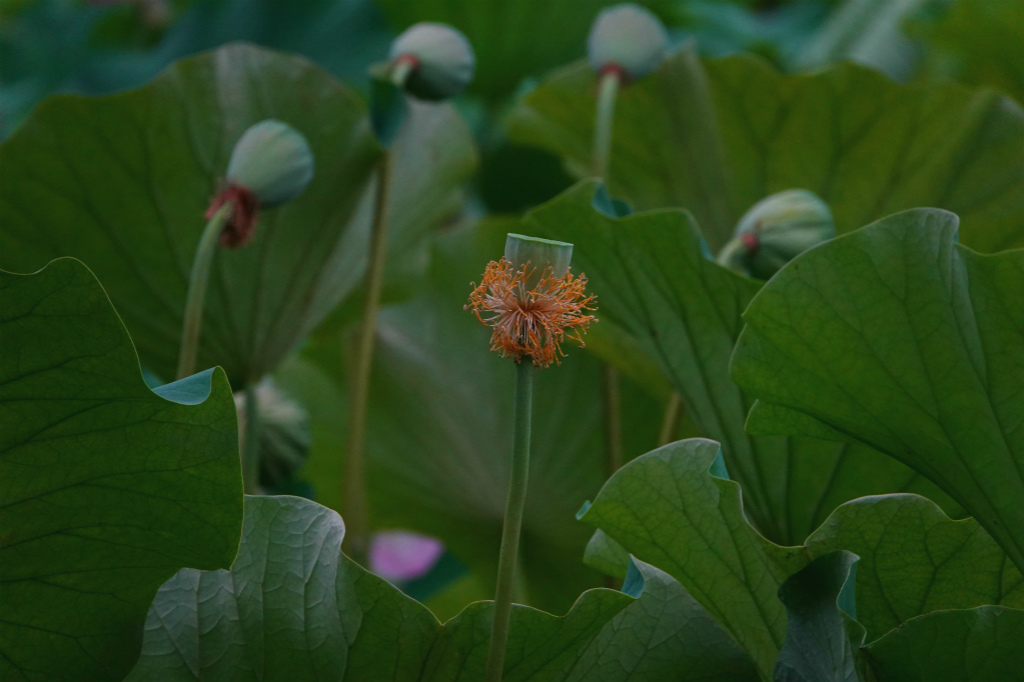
273, 161
629, 38
541, 254
440, 60
776, 230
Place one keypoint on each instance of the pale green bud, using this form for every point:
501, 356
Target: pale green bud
273, 161
776, 230
442, 60
627, 37
541, 254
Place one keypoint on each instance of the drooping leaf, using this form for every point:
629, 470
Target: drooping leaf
653, 281
123, 181
106, 487
439, 433
715, 137
822, 643
667, 510
900, 338
664, 636
292, 607
975, 645
915, 559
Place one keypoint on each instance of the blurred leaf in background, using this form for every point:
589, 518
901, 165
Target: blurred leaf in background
52, 46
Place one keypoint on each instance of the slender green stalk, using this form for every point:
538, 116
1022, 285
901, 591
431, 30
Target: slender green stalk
671, 420
354, 505
730, 253
522, 414
607, 91
401, 70
251, 446
197, 290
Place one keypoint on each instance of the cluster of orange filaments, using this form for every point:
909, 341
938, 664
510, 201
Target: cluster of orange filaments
533, 321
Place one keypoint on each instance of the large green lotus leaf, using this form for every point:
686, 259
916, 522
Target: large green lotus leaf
978, 42
715, 137
653, 280
557, 31
439, 432
976, 645
664, 636
106, 487
822, 642
541, 647
915, 559
898, 337
122, 182
667, 510
292, 607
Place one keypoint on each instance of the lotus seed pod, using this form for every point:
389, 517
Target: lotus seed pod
541, 254
273, 161
776, 230
627, 37
442, 60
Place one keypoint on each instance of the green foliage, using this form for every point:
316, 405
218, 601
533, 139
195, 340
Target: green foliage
294, 607
978, 42
715, 137
898, 337
821, 641
653, 280
976, 645
106, 487
915, 559
440, 429
884, 362
665, 509
122, 182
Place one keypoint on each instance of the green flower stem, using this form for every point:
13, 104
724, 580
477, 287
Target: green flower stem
197, 290
607, 91
400, 71
354, 505
251, 446
670, 423
522, 414
730, 254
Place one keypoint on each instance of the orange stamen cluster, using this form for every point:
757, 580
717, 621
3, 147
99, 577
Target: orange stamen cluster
533, 321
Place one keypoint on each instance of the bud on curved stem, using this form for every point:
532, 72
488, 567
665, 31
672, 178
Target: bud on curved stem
198, 279
776, 230
441, 59
627, 37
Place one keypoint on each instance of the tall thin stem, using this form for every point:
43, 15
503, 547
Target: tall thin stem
251, 446
670, 422
354, 505
197, 290
607, 92
522, 414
